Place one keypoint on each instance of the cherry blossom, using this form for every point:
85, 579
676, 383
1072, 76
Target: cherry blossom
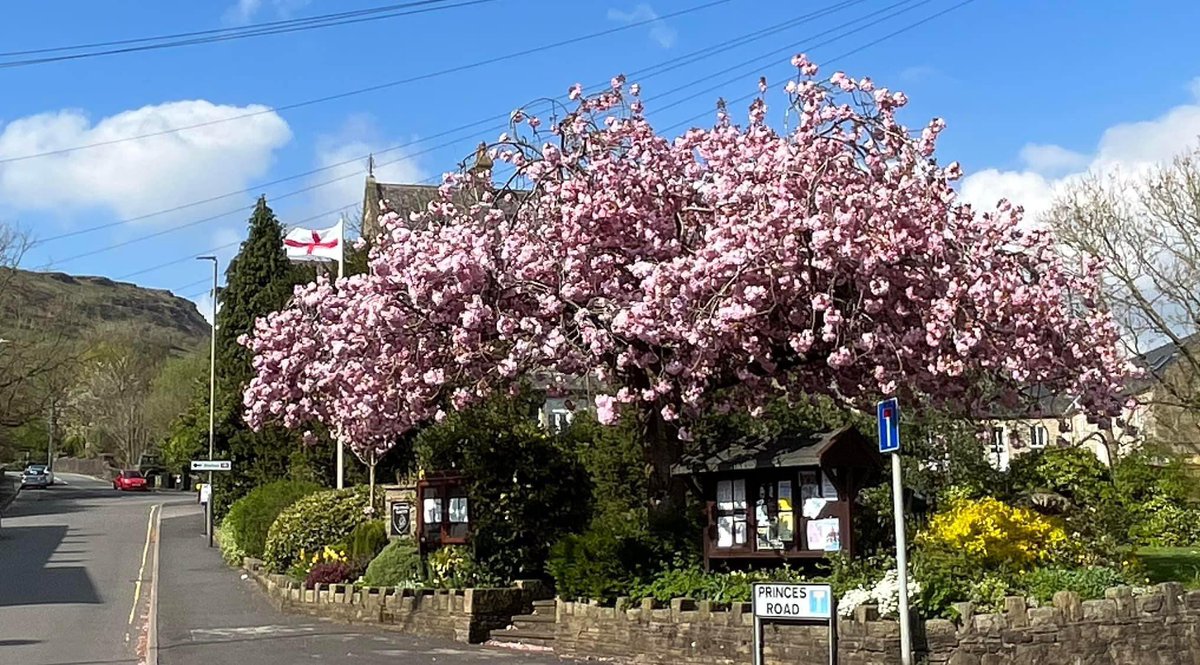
715, 269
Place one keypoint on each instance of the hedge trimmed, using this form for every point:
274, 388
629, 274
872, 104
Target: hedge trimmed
317, 520
250, 518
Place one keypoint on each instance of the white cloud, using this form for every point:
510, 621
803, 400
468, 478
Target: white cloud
135, 177
1049, 159
358, 137
662, 34
244, 10
1126, 147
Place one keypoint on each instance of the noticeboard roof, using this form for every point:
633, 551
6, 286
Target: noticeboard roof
843, 447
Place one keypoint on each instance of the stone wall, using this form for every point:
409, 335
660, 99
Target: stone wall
466, 615
1158, 628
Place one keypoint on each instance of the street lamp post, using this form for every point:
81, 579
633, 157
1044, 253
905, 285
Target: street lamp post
212, 398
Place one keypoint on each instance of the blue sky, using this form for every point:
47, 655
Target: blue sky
1032, 91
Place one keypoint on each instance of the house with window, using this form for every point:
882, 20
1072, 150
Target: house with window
782, 499
1156, 414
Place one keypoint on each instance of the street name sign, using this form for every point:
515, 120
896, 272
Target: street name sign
211, 465
793, 603
887, 413
796, 602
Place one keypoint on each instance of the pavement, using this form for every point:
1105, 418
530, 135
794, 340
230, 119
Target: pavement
70, 562
207, 614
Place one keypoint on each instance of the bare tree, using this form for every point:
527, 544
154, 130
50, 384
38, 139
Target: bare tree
118, 371
1146, 229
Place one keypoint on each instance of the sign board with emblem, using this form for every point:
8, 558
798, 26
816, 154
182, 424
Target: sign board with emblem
401, 519
793, 603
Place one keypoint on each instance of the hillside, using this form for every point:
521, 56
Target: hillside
73, 306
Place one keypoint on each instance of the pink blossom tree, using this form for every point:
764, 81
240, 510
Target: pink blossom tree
715, 270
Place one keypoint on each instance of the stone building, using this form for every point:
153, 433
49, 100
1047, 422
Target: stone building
1160, 413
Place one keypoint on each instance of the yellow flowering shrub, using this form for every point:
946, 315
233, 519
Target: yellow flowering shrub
991, 533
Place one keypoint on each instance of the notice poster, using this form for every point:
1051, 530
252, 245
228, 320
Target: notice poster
824, 535
809, 485
827, 489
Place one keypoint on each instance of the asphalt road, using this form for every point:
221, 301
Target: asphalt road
208, 615
70, 558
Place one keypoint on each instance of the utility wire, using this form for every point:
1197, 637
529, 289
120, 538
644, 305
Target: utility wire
743, 72
902, 30
829, 61
636, 75
243, 35
223, 31
373, 88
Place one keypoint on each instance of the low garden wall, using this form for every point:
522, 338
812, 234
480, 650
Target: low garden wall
1158, 628
466, 615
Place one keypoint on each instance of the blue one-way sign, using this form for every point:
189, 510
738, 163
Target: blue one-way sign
887, 413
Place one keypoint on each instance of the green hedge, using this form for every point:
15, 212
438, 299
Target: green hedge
317, 520
250, 517
398, 564
366, 541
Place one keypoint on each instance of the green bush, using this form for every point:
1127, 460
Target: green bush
313, 522
454, 567
399, 564
525, 488
366, 541
1074, 473
607, 560
694, 582
250, 517
230, 550
1089, 583
1165, 523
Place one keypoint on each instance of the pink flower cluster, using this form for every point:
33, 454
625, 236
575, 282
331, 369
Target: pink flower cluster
715, 269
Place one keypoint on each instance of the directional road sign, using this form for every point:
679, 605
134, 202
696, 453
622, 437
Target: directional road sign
211, 465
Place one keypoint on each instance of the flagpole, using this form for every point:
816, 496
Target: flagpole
341, 447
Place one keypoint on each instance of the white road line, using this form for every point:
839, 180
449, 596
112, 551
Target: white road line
137, 585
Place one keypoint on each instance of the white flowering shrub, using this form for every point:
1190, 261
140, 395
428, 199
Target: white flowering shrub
885, 595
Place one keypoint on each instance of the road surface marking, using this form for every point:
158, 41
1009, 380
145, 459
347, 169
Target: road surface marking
137, 585
244, 631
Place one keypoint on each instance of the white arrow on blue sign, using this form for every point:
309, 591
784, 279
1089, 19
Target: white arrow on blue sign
887, 413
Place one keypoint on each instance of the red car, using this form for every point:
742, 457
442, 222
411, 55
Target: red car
130, 480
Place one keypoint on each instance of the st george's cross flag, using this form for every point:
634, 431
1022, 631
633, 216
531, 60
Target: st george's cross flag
314, 244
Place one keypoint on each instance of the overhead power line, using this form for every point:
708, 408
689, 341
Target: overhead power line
302, 25
743, 71
857, 22
830, 61
643, 74
372, 88
223, 31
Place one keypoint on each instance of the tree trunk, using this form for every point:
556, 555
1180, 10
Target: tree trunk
662, 449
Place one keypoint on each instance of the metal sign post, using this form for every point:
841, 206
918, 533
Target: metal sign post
887, 414
794, 603
209, 465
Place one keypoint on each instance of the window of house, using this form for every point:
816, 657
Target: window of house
999, 448
774, 516
731, 513
1038, 436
